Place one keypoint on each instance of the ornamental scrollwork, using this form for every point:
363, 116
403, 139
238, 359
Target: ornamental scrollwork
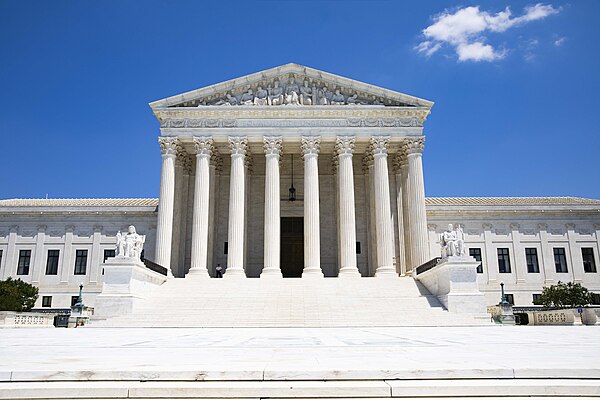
168, 145
203, 146
272, 145
310, 145
414, 145
238, 145
344, 145
379, 145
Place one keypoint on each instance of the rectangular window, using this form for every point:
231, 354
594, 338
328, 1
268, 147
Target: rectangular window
560, 260
595, 298
0, 258
503, 261
532, 260
52, 262
476, 254
225, 248
589, 264
46, 301
74, 300
108, 253
510, 298
80, 262
357, 247
536, 297
24, 261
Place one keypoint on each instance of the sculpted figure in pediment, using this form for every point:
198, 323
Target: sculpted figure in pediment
352, 99
229, 100
247, 98
275, 97
324, 96
306, 94
337, 98
261, 98
292, 93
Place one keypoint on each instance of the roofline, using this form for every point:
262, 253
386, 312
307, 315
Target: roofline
281, 70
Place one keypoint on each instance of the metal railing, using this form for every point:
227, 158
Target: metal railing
155, 267
428, 265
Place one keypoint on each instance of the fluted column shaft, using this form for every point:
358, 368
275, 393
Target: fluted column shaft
400, 161
272, 240
418, 218
237, 183
164, 228
383, 215
199, 264
312, 237
347, 219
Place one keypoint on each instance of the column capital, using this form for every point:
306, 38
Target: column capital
168, 145
367, 160
414, 145
344, 145
272, 145
310, 145
379, 145
400, 159
238, 145
203, 146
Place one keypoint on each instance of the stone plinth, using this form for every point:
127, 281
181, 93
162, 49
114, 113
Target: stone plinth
126, 281
454, 282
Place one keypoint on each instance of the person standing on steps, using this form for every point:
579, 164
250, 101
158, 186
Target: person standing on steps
219, 271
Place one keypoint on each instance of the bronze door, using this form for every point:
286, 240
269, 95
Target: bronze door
292, 246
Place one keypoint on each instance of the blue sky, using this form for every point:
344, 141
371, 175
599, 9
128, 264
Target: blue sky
516, 110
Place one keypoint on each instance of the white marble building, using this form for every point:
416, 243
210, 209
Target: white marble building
231, 152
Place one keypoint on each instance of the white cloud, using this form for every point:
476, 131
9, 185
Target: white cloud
464, 30
560, 41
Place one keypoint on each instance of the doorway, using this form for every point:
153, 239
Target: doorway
292, 247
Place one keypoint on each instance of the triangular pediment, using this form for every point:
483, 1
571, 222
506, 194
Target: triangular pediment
291, 84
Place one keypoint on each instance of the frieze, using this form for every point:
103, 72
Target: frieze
186, 123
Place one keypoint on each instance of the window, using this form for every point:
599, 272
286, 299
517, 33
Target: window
74, 300
24, 261
80, 262
0, 258
589, 264
510, 298
532, 261
46, 301
476, 254
560, 260
52, 262
108, 253
503, 261
536, 297
225, 248
357, 247
595, 298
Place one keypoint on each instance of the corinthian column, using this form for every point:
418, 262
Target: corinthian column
204, 149
237, 182
312, 250
164, 228
344, 146
419, 247
272, 145
400, 162
383, 215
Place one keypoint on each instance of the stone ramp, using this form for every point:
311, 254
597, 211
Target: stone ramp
272, 302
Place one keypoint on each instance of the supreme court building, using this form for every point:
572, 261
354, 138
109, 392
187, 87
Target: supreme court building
293, 172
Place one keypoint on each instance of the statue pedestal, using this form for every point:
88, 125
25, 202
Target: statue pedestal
454, 282
126, 282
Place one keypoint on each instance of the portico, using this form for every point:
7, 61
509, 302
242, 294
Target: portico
228, 155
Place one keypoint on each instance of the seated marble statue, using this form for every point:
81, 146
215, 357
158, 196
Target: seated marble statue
247, 98
452, 242
338, 98
305, 94
291, 93
352, 99
275, 94
229, 100
131, 244
261, 98
324, 96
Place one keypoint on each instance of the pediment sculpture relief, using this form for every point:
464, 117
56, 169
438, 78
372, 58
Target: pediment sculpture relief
294, 91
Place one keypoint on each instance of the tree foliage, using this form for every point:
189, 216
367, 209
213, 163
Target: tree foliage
565, 295
16, 295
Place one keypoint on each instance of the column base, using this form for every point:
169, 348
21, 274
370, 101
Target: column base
386, 272
197, 273
234, 273
312, 272
349, 272
271, 273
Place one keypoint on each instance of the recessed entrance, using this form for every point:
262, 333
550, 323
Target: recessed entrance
292, 246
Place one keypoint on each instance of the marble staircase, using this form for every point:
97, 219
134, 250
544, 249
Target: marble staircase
271, 302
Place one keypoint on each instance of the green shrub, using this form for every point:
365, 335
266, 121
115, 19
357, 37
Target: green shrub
565, 295
16, 295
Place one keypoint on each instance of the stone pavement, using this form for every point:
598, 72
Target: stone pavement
300, 362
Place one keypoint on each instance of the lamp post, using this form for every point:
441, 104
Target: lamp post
292, 190
80, 298
503, 299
